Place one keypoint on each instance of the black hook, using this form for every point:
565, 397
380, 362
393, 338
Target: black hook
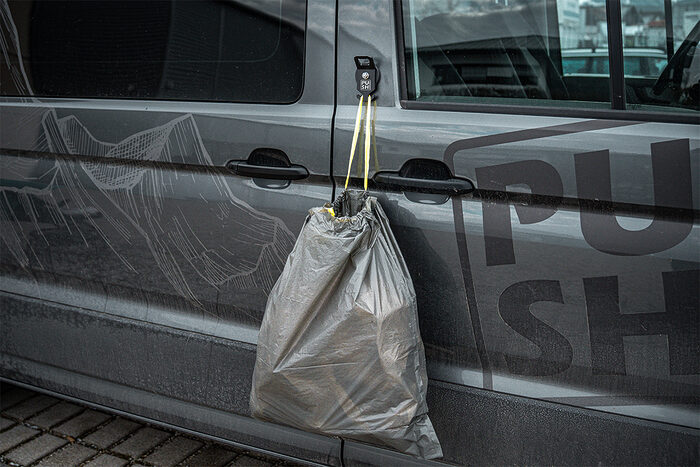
366, 75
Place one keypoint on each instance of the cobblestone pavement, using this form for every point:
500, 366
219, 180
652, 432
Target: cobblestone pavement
39, 430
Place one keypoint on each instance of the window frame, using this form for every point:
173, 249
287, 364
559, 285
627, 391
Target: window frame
544, 111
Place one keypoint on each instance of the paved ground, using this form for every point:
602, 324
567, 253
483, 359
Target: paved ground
38, 430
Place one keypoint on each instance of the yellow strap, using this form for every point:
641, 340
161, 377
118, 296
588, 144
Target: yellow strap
354, 139
374, 139
368, 136
369, 139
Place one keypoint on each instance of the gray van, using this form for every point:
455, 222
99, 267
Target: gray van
158, 160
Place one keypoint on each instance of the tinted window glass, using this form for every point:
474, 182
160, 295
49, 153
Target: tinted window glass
574, 65
491, 50
220, 50
662, 66
551, 52
635, 65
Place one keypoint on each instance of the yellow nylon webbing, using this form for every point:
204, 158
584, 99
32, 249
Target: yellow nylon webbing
354, 139
369, 139
374, 139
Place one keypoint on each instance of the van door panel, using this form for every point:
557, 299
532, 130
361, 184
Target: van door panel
539, 256
124, 233
574, 263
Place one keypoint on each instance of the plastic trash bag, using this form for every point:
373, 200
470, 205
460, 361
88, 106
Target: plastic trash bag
339, 350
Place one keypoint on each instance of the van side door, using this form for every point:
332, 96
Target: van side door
158, 160
558, 300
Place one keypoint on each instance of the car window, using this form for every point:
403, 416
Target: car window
600, 65
654, 32
491, 51
236, 50
573, 65
635, 65
538, 52
657, 65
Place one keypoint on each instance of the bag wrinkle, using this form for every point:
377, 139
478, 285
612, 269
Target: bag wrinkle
339, 348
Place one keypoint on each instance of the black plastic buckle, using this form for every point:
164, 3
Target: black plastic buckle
366, 75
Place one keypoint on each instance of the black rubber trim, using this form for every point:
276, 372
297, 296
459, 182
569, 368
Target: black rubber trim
335, 106
115, 161
613, 13
400, 50
668, 19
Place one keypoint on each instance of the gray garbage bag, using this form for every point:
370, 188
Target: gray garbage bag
339, 350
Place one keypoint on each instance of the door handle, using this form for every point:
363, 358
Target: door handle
268, 163
245, 169
424, 176
451, 186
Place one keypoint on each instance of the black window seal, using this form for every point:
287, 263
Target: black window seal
668, 21
400, 50
613, 17
554, 111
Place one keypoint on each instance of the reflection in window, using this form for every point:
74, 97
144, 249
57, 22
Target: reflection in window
480, 50
542, 51
660, 53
